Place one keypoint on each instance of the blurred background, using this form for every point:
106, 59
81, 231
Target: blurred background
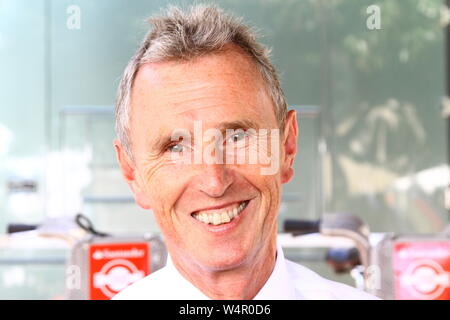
373, 129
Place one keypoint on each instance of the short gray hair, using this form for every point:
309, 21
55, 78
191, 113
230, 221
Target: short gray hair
184, 35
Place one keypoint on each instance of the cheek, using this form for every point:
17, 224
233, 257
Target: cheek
165, 189
164, 185
269, 189
270, 196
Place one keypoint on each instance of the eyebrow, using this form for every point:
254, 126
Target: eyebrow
238, 124
163, 141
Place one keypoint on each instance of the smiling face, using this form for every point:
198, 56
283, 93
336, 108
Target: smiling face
216, 216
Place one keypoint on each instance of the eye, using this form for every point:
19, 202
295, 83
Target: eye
238, 136
175, 148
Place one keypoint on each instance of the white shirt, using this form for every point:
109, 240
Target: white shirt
288, 281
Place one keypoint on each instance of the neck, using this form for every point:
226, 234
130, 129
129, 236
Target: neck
243, 282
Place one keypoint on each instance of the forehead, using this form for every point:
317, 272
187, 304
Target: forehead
211, 88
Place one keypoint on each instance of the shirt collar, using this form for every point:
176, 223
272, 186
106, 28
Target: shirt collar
185, 289
277, 287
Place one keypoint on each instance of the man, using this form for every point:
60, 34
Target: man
200, 74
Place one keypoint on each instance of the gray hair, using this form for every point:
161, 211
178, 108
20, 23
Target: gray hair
184, 35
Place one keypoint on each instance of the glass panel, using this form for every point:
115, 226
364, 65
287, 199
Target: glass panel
22, 96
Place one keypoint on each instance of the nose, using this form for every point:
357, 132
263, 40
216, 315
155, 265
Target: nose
214, 180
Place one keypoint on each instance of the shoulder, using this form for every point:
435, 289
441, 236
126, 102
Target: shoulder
310, 285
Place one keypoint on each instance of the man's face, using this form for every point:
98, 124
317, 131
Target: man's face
220, 91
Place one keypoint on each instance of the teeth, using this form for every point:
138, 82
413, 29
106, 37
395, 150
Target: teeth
217, 218
225, 217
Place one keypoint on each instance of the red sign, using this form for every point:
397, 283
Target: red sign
114, 266
422, 270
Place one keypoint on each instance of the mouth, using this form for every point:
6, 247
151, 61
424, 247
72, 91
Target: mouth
220, 216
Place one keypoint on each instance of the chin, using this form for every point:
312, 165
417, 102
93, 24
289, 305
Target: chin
221, 259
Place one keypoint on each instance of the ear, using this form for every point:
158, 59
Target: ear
289, 141
128, 169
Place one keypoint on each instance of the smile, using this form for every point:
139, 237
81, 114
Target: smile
220, 216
